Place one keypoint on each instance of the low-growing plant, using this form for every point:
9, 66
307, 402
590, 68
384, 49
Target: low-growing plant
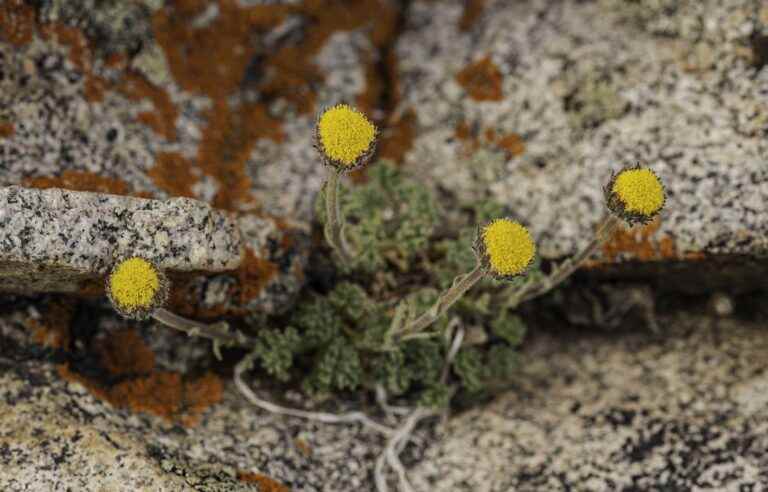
423, 310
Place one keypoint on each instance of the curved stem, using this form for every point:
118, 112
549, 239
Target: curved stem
568, 266
334, 233
327, 418
461, 285
218, 332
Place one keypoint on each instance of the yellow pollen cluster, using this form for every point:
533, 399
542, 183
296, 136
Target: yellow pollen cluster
508, 246
640, 191
345, 134
134, 285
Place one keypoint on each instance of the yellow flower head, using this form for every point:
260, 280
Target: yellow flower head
345, 137
635, 194
506, 247
136, 287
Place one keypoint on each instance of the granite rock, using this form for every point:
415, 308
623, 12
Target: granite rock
681, 410
627, 410
536, 103
56, 434
215, 101
54, 239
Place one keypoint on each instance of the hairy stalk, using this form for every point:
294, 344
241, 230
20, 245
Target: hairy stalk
567, 267
218, 332
461, 285
334, 232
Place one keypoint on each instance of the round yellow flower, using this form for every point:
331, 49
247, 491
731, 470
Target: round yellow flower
506, 247
136, 287
635, 194
345, 137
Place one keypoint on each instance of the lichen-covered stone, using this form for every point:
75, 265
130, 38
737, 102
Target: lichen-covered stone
591, 87
55, 435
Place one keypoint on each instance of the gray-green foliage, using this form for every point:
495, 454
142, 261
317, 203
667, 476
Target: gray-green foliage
509, 327
276, 349
388, 218
343, 340
337, 368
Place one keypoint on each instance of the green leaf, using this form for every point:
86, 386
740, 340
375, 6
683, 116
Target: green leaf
510, 328
337, 368
350, 300
436, 396
276, 349
468, 365
318, 322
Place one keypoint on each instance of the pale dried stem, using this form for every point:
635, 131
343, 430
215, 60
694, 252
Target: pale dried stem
396, 442
325, 417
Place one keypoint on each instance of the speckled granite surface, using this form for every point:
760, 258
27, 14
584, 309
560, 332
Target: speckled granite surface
64, 241
684, 410
54, 238
590, 87
55, 435
531, 102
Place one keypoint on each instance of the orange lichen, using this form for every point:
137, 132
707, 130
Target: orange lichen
158, 394
265, 483
397, 138
227, 143
82, 181
465, 132
162, 120
7, 130
172, 174
124, 352
186, 287
253, 275
512, 143
199, 395
79, 54
303, 447
211, 59
17, 22
140, 386
641, 243
636, 242
473, 9
481, 80
72, 38
52, 329
93, 89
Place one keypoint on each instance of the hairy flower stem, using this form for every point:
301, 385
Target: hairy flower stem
567, 267
461, 285
218, 332
334, 233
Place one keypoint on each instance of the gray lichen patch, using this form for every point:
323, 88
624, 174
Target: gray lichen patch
53, 239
